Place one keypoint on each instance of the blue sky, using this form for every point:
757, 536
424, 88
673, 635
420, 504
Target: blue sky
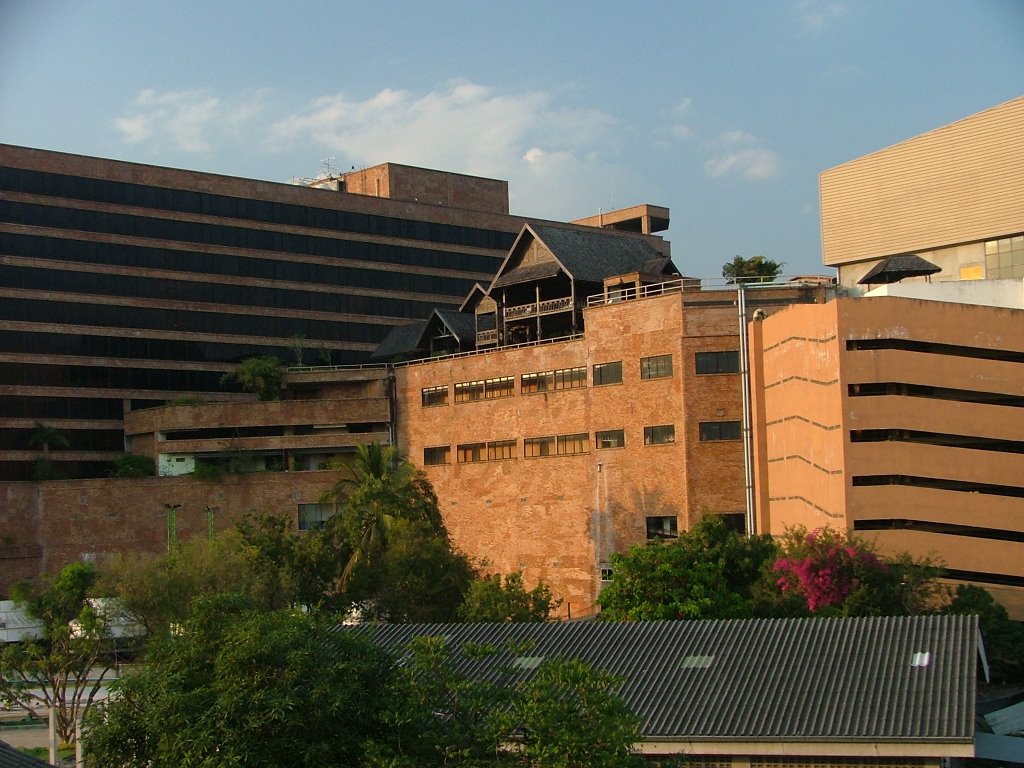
726, 112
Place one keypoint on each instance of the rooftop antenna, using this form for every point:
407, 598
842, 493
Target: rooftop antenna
330, 170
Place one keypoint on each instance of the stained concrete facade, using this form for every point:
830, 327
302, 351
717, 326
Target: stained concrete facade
954, 196
901, 419
551, 478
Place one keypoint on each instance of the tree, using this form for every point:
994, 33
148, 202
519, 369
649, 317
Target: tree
706, 573
838, 573
245, 688
158, 591
44, 436
462, 707
65, 669
1003, 637
261, 376
489, 599
380, 488
133, 465
756, 269
418, 577
570, 716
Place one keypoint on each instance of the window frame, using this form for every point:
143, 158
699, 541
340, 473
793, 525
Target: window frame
599, 370
506, 447
667, 435
545, 446
469, 391
428, 395
447, 454
713, 362
471, 453
654, 367
574, 444
669, 522
619, 443
712, 431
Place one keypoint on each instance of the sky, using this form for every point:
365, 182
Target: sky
725, 112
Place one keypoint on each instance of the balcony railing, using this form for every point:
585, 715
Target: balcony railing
538, 308
486, 337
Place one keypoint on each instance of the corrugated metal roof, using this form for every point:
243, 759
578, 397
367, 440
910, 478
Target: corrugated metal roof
401, 340
12, 758
760, 679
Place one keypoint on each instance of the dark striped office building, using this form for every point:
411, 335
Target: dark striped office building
124, 286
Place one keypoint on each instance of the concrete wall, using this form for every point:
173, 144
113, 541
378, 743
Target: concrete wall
813, 473
961, 183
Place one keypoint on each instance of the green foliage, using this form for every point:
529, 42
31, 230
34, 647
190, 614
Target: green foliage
569, 716
756, 269
293, 569
158, 591
1003, 637
489, 599
390, 521
44, 436
238, 687
837, 573
66, 668
133, 465
706, 573
261, 376
204, 471
418, 577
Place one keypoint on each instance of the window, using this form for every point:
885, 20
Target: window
546, 381
606, 572
534, 447
434, 396
608, 373
660, 435
570, 445
662, 527
538, 382
570, 378
656, 367
719, 430
501, 387
1005, 257
501, 449
469, 391
472, 452
718, 362
610, 438
313, 517
442, 454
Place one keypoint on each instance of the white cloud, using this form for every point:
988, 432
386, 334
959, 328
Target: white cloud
815, 15
551, 155
189, 121
737, 137
560, 161
752, 163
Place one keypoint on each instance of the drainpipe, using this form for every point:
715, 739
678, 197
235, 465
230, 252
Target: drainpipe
748, 442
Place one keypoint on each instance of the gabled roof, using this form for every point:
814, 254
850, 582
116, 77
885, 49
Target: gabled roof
586, 255
476, 293
401, 340
879, 679
12, 758
414, 337
461, 325
892, 269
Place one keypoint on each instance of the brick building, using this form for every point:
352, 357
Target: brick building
125, 286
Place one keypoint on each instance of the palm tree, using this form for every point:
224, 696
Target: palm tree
380, 488
44, 436
756, 269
